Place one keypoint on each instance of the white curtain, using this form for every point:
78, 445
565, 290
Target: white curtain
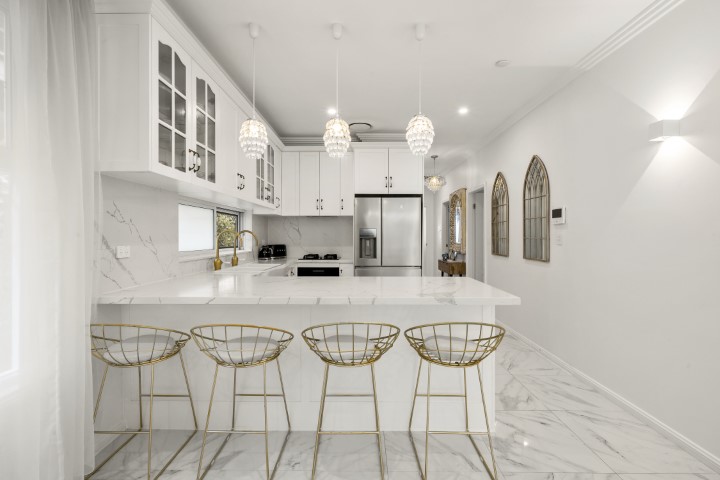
47, 209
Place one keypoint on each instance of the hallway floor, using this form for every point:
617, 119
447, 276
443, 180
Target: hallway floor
551, 425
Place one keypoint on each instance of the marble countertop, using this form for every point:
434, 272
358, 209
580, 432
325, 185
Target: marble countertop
209, 288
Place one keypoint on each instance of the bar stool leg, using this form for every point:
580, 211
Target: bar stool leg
140, 396
187, 385
100, 392
377, 423
487, 424
320, 419
150, 424
467, 409
234, 397
282, 389
427, 422
267, 450
417, 384
207, 421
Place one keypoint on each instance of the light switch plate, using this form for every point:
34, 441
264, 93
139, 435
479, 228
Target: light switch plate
122, 251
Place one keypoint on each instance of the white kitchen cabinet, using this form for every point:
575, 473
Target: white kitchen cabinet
405, 172
347, 270
347, 185
309, 183
371, 171
203, 149
329, 172
290, 183
319, 185
388, 171
265, 177
170, 102
168, 116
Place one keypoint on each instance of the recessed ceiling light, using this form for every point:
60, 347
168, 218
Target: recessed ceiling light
463, 110
331, 111
502, 63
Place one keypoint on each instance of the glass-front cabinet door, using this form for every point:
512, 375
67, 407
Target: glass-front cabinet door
171, 93
205, 126
265, 183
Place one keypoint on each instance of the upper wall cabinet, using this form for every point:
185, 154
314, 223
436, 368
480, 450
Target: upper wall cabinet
313, 184
388, 171
290, 184
171, 120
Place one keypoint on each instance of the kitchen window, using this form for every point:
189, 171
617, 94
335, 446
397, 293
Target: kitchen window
199, 225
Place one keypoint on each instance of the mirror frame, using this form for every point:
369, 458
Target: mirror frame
458, 199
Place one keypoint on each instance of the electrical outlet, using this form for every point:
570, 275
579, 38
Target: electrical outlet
122, 251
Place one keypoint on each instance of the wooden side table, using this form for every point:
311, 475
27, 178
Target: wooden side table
451, 268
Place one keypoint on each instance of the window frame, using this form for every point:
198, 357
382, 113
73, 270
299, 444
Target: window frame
543, 222
216, 208
498, 221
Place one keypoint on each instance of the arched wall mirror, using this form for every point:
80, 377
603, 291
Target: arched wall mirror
458, 220
536, 212
500, 213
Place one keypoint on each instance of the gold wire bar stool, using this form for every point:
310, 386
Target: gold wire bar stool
455, 345
128, 346
243, 346
350, 345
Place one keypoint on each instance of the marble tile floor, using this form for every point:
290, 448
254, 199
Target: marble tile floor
551, 425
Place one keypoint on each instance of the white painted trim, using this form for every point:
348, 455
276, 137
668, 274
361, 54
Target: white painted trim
627, 32
684, 442
623, 35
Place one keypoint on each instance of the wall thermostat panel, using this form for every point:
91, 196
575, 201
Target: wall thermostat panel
558, 215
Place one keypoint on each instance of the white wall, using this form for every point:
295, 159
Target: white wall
631, 297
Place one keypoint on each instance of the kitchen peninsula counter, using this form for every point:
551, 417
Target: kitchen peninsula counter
294, 304
230, 289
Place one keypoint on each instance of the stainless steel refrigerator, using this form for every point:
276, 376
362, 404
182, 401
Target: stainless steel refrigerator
388, 236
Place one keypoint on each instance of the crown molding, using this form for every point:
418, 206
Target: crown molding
302, 141
641, 22
381, 137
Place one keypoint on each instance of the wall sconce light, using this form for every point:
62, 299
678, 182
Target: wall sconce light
664, 129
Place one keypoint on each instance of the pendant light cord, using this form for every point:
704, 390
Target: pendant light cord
253, 68
420, 77
337, 81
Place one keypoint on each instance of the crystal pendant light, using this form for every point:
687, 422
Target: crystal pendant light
253, 135
434, 182
420, 132
337, 131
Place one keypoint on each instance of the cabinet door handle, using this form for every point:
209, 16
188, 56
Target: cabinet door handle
390, 182
317, 204
342, 204
321, 204
386, 183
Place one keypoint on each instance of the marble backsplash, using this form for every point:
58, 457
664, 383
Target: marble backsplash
312, 235
145, 219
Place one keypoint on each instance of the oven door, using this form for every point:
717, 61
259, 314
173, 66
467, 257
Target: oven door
318, 271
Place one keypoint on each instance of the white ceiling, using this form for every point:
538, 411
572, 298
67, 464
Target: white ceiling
544, 39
